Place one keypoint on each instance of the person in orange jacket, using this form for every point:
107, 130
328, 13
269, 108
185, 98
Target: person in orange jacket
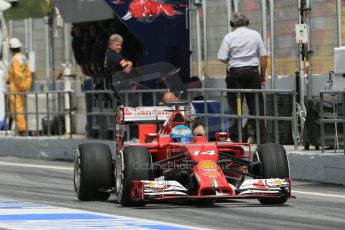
19, 80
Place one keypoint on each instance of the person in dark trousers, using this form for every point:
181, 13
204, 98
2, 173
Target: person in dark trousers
78, 47
195, 83
89, 41
243, 51
98, 54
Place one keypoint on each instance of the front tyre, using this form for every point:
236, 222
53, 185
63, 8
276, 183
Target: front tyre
133, 163
274, 165
93, 169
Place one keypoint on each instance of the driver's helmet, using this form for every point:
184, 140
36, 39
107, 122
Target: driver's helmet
181, 133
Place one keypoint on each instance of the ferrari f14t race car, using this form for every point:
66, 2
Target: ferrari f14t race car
173, 164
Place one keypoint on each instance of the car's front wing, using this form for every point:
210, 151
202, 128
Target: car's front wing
172, 190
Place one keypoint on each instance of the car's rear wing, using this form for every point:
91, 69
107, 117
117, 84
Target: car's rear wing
153, 114
144, 114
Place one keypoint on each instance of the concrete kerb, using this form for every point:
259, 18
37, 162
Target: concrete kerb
45, 148
328, 167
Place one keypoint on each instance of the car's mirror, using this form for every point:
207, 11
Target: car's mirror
150, 137
222, 136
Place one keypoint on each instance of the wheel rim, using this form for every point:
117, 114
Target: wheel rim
119, 174
77, 172
256, 156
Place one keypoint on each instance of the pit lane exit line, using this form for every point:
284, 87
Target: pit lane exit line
35, 166
18, 215
318, 194
71, 169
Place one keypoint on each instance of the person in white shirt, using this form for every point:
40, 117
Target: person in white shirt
243, 51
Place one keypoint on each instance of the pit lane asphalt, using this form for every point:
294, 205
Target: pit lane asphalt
318, 206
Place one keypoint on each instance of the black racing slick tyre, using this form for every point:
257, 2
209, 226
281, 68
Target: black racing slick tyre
274, 165
133, 163
93, 171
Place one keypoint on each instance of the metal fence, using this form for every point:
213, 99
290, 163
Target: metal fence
271, 116
337, 98
46, 113
101, 105
100, 110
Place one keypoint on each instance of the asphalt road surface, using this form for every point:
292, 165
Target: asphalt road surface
317, 206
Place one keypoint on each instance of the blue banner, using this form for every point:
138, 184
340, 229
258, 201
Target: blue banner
161, 26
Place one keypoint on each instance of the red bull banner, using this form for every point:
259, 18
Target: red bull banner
148, 10
162, 27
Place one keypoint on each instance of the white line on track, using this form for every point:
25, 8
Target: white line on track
318, 194
36, 166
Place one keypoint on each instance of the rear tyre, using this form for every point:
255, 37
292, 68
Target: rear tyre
274, 165
132, 164
93, 171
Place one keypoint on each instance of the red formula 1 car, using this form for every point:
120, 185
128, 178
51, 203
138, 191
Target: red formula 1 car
172, 164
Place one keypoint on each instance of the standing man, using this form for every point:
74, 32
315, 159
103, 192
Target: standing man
114, 60
19, 80
243, 50
78, 47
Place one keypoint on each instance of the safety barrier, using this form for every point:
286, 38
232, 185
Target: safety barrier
46, 113
100, 110
220, 95
101, 105
336, 96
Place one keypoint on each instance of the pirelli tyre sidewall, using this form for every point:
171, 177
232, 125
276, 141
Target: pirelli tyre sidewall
133, 163
93, 171
275, 164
